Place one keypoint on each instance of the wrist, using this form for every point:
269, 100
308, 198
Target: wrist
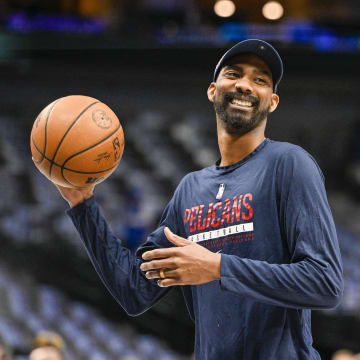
75, 202
216, 262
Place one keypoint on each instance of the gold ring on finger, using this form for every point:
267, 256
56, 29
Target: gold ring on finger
162, 273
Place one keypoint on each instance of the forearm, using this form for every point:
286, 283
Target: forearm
116, 266
305, 284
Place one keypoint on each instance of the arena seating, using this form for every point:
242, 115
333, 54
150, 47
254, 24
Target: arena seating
132, 200
136, 194
28, 308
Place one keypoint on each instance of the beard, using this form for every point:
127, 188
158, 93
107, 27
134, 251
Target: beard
237, 121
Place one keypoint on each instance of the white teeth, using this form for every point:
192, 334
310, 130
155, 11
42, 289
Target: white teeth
241, 102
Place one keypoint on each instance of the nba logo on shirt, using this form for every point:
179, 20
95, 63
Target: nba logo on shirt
220, 192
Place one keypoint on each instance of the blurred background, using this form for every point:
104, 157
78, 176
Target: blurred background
151, 61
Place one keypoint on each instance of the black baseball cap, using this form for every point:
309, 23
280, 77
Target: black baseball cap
260, 48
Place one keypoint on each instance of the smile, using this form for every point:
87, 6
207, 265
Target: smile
242, 103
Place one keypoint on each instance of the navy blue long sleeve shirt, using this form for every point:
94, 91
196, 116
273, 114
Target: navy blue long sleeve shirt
269, 217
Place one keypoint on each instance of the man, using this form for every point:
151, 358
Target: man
251, 238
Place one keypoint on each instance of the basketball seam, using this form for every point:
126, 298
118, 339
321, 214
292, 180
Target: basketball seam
67, 131
72, 170
88, 148
45, 141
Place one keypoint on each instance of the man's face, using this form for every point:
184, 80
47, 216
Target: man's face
243, 94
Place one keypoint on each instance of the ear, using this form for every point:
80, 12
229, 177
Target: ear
274, 102
211, 92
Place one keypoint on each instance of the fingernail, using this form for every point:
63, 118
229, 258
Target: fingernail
159, 283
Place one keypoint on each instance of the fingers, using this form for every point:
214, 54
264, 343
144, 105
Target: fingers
168, 259
175, 239
159, 253
171, 277
167, 252
158, 264
155, 274
168, 282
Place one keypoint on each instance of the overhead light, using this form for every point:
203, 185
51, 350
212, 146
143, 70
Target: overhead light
273, 10
224, 8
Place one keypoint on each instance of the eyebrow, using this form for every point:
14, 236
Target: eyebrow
239, 68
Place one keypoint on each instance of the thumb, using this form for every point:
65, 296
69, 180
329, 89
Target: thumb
175, 239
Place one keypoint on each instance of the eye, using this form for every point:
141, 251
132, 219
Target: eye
260, 80
232, 74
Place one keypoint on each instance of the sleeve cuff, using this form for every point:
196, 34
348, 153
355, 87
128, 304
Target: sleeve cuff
88, 203
226, 273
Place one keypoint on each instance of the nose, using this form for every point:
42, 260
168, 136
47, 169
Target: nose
243, 85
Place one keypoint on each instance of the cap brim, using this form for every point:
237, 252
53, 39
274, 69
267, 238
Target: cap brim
260, 48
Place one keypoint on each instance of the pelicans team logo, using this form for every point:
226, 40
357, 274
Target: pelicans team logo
230, 219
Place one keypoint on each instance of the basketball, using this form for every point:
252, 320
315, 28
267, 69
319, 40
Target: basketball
77, 141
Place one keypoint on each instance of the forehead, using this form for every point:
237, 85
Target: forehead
250, 60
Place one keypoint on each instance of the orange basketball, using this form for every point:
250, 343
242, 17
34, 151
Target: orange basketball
77, 141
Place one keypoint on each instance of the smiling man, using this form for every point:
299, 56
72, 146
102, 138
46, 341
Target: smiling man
244, 96
250, 239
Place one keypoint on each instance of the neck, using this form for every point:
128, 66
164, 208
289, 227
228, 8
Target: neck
234, 148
